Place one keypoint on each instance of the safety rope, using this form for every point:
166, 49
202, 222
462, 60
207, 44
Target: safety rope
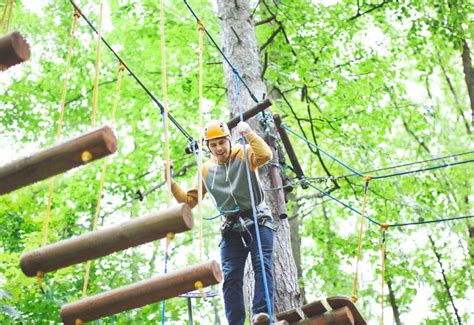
164, 113
234, 70
95, 94
102, 177
164, 90
201, 29
8, 5
169, 238
367, 180
47, 216
252, 199
133, 75
374, 177
384, 228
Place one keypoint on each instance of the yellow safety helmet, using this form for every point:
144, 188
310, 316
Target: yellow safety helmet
216, 129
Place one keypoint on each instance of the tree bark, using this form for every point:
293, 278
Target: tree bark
469, 76
240, 46
393, 303
445, 280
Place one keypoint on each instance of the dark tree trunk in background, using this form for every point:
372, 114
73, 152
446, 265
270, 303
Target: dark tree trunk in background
469, 76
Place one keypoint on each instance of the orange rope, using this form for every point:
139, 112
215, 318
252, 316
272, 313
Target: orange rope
165, 102
382, 248
47, 216
4, 14
359, 245
102, 178
95, 94
60, 123
10, 16
201, 136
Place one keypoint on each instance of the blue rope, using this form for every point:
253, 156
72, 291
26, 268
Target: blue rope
322, 150
223, 55
341, 203
252, 200
163, 306
375, 177
390, 224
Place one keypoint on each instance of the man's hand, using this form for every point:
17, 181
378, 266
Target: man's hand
243, 128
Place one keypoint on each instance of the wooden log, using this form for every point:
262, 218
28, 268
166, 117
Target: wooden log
289, 150
57, 159
13, 50
340, 316
249, 113
290, 316
233, 122
143, 293
102, 242
317, 308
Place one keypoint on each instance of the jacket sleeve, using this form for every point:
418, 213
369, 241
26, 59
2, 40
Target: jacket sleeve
259, 152
189, 197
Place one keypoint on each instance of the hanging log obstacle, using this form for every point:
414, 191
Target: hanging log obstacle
340, 310
13, 50
142, 293
249, 113
103, 242
233, 122
58, 159
289, 150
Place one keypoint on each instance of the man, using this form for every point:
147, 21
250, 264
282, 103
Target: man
225, 178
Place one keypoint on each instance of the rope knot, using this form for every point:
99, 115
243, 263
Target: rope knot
384, 226
367, 178
77, 13
354, 298
200, 24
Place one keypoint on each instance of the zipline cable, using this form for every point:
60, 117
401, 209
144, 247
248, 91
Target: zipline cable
375, 177
149, 93
234, 70
391, 224
408, 164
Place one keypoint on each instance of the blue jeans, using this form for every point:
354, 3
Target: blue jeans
233, 257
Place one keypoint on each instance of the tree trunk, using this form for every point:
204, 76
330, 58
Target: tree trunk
393, 303
295, 224
445, 280
469, 76
240, 46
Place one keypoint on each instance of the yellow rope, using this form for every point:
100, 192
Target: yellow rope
201, 136
9, 16
102, 178
361, 228
95, 94
60, 123
7, 3
7, 8
382, 248
165, 102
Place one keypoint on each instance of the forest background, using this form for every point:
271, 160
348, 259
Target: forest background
376, 83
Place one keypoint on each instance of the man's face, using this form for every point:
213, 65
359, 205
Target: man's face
220, 148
